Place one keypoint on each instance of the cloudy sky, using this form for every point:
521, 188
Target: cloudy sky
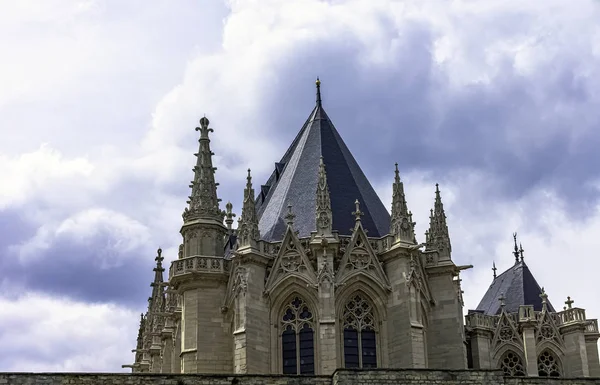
495, 100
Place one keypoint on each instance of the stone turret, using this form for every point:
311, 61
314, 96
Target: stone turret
200, 275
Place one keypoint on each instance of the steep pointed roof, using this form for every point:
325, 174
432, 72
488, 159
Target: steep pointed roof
519, 288
296, 177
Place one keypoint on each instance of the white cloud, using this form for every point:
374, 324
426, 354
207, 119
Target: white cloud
90, 337
122, 235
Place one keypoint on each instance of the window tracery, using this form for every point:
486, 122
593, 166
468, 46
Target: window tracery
548, 365
297, 338
511, 364
360, 339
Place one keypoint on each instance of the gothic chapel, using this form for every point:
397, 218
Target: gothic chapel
318, 276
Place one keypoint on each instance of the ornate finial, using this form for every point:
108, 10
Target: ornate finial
439, 237
248, 233
159, 258
318, 83
229, 216
401, 225
203, 201
521, 251
357, 214
323, 212
516, 252
494, 269
502, 299
290, 216
569, 302
544, 298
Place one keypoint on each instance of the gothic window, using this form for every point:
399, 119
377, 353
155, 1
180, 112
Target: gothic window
360, 339
511, 364
297, 338
548, 365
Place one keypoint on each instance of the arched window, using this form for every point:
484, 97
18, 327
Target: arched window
548, 365
360, 340
297, 338
511, 364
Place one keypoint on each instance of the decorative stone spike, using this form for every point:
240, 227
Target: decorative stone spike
401, 224
203, 202
324, 217
438, 238
248, 233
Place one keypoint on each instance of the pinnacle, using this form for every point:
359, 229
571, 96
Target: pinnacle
203, 201
248, 233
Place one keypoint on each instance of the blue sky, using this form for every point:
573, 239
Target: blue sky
496, 101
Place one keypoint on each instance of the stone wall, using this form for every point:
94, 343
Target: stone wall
340, 377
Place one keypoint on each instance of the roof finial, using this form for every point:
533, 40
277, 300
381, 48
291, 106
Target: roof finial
290, 216
357, 214
569, 302
318, 83
544, 298
516, 252
229, 216
494, 269
521, 251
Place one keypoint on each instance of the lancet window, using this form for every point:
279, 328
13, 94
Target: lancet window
297, 338
360, 338
511, 364
548, 365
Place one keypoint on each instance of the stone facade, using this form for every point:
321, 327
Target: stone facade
294, 292
339, 377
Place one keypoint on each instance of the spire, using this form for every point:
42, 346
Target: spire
438, 237
203, 203
323, 206
158, 275
248, 233
401, 224
516, 252
318, 83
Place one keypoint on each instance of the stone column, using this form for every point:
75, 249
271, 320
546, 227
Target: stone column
251, 332
480, 333
591, 343
326, 289
527, 323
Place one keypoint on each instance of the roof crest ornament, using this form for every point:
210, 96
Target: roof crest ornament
229, 215
318, 84
494, 269
357, 214
290, 216
544, 298
516, 252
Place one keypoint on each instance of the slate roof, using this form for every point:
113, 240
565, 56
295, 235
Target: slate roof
294, 181
519, 288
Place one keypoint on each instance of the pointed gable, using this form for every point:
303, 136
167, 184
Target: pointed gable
519, 288
295, 181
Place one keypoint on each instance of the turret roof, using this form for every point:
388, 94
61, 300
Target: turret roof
518, 286
295, 180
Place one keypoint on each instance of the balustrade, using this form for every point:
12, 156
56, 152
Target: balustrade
591, 326
197, 264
